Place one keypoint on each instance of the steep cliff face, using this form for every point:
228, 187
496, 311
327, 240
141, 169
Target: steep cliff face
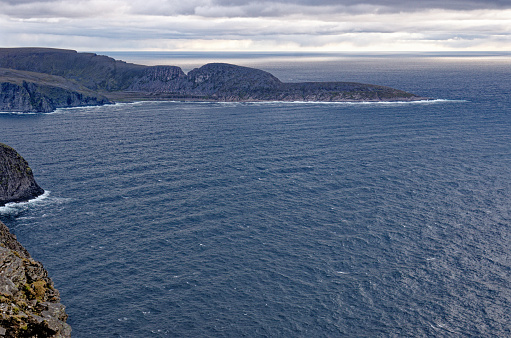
16, 178
14, 98
214, 81
33, 97
29, 304
158, 79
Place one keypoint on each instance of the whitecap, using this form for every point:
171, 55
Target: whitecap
254, 103
14, 208
69, 109
355, 103
339, 103
159, 331
17, 113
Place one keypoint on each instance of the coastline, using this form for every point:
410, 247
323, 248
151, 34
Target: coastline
66, 78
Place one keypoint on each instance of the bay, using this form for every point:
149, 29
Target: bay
281, 219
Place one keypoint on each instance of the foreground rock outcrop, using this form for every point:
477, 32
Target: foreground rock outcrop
17, 183
90, 79
29, 304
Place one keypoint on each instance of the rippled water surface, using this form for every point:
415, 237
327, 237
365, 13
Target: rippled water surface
281, 219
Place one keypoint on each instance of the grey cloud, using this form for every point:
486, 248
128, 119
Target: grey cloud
395, 4
279, 7
18, 2
30, 9
264, 24
237, 8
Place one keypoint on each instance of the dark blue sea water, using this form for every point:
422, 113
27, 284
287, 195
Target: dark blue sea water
281, 219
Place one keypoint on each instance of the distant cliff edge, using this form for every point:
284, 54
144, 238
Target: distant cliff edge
17, 183
42, 79
24, 91
29, 303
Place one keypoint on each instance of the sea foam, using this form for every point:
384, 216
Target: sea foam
15, 208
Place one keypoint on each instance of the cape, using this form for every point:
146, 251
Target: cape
43, 79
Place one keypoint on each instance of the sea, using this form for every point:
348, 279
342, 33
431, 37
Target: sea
295, 219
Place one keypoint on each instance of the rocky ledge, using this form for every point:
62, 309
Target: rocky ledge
17, 183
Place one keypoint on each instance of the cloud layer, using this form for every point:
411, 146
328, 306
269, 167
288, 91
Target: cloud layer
336, 25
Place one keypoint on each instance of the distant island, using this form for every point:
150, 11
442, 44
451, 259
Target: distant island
43, 79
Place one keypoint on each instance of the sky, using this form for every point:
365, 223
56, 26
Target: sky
241, 25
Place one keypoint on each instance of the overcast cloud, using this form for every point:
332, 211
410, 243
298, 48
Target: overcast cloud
316, 25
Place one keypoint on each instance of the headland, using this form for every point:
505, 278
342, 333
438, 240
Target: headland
43, 79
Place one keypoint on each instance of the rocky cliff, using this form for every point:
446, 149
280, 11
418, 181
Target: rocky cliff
16, 178
29, 304
226, 82
22, 91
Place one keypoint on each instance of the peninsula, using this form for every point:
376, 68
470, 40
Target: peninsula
43, 79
